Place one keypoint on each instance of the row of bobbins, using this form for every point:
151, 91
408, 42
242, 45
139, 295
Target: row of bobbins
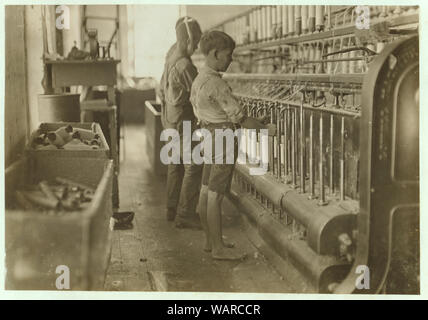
266, 23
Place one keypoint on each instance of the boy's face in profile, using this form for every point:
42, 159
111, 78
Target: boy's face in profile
193, 45
224, 58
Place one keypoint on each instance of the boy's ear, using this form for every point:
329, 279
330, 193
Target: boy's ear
213, 53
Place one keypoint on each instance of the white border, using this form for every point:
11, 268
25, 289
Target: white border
93, 295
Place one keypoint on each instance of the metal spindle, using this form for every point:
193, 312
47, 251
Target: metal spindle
271, 143
253, 138
342, 160
289, 120
321, 200
311, 157
297, 144
331, 173
278, 142
302, 148
284, 140
293, 149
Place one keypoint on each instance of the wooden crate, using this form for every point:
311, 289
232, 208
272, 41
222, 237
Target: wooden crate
102, 152
37, 243
87, 110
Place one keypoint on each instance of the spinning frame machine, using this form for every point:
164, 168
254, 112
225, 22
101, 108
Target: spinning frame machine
342, 189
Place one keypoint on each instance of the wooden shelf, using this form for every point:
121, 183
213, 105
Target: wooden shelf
65, 73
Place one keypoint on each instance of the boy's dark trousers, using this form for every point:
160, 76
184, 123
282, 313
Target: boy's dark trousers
184, 184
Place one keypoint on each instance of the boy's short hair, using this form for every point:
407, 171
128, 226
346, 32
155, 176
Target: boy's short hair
216, 40
185, 25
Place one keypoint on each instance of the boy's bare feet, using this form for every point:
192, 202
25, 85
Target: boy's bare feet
227, 255
227, 244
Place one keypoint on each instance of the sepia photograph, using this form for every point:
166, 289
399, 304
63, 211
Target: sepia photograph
270, 148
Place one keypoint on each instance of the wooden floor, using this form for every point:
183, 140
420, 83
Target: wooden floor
156, 256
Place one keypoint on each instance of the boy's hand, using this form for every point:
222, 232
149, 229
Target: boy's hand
264, 119
271, 129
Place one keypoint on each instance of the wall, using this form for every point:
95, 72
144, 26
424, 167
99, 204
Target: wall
151, 32
154, 33
154, 30
16, 113
123, 42
74, 33
34, 60
24, 73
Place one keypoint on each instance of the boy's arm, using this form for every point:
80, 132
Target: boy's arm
160, 89
187, 75
253, 123
182, 78
225, 98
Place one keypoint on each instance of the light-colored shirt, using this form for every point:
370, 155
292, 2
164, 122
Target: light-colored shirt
212, 99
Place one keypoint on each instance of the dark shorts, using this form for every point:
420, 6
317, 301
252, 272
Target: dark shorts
218, 177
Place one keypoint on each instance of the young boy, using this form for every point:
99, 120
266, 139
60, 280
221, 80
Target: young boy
183, 180
217, 108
